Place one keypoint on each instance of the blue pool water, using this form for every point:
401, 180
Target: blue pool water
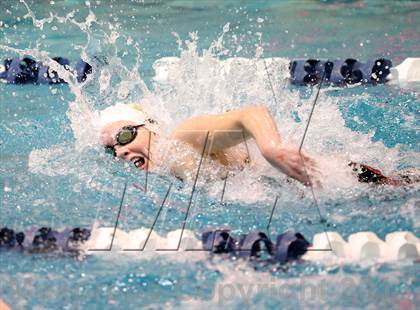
53, 173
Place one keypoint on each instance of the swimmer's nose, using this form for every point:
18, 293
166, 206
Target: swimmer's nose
122, 152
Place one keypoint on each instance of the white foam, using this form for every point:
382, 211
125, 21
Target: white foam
204, 84
199, 83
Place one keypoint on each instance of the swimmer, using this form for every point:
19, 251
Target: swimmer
128, 133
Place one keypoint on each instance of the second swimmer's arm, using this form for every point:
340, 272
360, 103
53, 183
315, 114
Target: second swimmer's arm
253, 122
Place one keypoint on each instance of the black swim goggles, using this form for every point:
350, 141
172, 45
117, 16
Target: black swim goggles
125, 135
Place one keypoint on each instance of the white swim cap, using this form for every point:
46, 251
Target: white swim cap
127, 112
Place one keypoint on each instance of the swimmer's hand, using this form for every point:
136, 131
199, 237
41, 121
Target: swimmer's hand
294, 164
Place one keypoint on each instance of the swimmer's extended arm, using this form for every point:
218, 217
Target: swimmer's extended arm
230, 128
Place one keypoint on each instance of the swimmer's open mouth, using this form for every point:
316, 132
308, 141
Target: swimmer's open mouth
139, 162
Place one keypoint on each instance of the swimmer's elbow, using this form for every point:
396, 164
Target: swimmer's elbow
257, 122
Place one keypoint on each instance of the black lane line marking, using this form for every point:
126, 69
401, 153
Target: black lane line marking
116, 222
246, 146
148, 160
224, 188
304, 166
191, 197
154, 222
312, 112
269, 82
271, 216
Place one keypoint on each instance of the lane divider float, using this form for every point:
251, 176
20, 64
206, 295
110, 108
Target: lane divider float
288, 246
304, 72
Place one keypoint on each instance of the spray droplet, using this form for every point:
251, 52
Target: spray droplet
226, 27
104, 80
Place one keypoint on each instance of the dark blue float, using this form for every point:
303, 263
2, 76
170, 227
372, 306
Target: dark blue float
28, 71
289, 246
302, 72
43, 240
340, 72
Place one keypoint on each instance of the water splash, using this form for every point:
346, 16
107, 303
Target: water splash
207, 81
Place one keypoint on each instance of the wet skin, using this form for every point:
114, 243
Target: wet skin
136, 151
219, 133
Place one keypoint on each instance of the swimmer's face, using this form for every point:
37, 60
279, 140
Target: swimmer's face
136, 151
